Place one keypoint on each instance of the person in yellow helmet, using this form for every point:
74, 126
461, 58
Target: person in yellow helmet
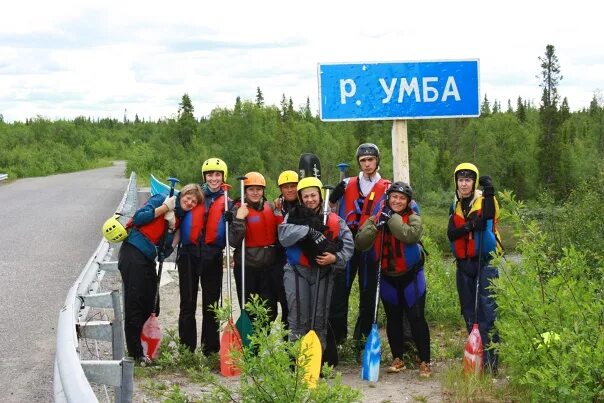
200, 259
474, 237
311, 246
288, 183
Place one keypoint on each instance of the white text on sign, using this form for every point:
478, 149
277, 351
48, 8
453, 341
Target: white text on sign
428, 92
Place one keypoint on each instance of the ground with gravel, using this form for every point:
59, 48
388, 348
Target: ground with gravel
400, 387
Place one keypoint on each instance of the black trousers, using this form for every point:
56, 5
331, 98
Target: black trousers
140, 285
267, 284
194, 271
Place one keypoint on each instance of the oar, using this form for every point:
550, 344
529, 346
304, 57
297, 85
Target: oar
372, 355
472, 357
311, 345
151, 333
244, 324
230, 340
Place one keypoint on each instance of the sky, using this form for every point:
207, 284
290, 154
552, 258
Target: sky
64, 59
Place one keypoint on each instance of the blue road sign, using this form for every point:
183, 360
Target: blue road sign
406, 90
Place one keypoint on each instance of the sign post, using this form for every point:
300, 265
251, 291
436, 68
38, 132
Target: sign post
399, 91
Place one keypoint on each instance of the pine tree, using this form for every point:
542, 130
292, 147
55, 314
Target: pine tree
259, 98
549, 142
510, 110
186, 121
520, 110
485, 108
496, 107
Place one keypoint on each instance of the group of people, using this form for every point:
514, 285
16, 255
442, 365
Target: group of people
304, 236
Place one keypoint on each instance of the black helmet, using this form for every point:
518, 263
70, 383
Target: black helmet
368, 149
400, 187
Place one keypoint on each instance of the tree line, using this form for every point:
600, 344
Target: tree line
529, 149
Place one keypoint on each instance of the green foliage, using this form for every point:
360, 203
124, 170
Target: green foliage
552, 289
270, 370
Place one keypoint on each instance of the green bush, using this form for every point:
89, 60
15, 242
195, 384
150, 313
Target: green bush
550, 318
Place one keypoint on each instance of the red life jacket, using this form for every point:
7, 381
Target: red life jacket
154, 230
398, 258
192, 225
261, 227
466, 246
214, 220
357, 208
295, 255
199, 219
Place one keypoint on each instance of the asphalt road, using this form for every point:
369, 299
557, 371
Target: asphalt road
49, 228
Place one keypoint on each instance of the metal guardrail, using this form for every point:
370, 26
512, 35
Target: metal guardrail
3, 177
72, 374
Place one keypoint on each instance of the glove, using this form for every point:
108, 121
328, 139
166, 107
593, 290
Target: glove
487, 186
477, 223
337, 193
228, 217
170, 202
383, 217
318, 238
171, 218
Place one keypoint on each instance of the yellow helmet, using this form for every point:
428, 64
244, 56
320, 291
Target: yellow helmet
215, 164
254, 179
287, 177
113, 230
309, 182
466, 168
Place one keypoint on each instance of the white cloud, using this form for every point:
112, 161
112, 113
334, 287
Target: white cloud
65, 58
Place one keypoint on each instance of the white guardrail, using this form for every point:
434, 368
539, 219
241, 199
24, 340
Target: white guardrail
3, 177
73, 374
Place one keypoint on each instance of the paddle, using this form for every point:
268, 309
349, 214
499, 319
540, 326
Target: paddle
244, 324
372, 355
151, 333
311, 345
230, 341
472, 357
309, 165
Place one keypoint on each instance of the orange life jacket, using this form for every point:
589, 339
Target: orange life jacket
261, 227
154, 230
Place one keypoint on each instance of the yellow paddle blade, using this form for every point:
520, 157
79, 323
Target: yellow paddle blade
310, 358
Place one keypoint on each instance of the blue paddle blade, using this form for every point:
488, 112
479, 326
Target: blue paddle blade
370, 371
157, 186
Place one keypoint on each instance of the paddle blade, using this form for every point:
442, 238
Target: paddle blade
370, 371
244, 326
472, 357
230, 342
310, 358
151, 337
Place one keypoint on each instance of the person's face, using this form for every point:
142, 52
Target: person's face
398, 202
187, 202
214, 179
288, 190
311, 198
465, 186
254, 193
368, 164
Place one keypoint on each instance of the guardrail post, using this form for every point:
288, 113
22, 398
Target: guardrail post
117, 327
123, 394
